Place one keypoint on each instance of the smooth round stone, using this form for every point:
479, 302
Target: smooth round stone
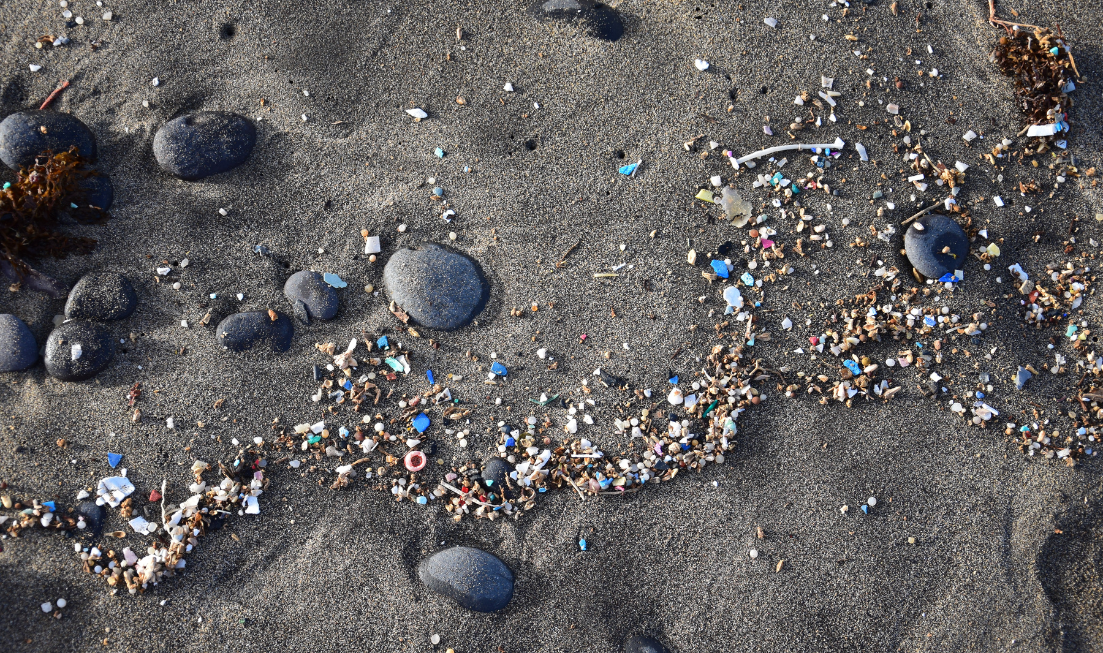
473, 578
22, 137
318, 298
598, 20
927, 237
242, 331
95, 190
643, 644
18, 348
97, 348
93, 517
497, 470
101, 296
198, 145
437, 287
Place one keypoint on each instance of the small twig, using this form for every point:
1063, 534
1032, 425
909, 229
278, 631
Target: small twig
922, 213
57, 91
580, 495
996, 21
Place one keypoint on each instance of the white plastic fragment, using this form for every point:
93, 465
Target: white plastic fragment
772, 22
970, 136
35, 68
827, 98
417, 113
508, 88
1043, 130
156, 81
998, 200
113, 490
47, 607
827, 82
893, 109
77, 351
701, 64
861, 151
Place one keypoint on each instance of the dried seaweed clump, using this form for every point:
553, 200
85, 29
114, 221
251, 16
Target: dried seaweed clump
31, 207
1042, 68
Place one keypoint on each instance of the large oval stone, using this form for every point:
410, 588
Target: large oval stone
101, 296
311, 296
925, 242
473, 578
598, 20
76, 351
26, 134
643, 644
437, 287
18, 348
198, 145
243, 331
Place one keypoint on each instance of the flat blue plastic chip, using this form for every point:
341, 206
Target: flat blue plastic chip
114, 459
421, 422
439, 152
747, 279
929, 321
721, 268
382, 342
852, 366
673, 380
582, 544
51, 505
630, 169
333, 280
498, 369
429, 375
949, 277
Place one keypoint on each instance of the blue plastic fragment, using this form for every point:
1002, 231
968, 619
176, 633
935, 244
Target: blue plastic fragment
347, 385
674, 380
542, 489
422, 501
929, 321
114, 459
852, 366
720, 268
429, 375
510, 442
74, 206
630, 169
382, 342
865, 509
747, 279
51, 505
980, 395
498, 369
334, 280
582, 544
7, 185
344, 432
421, 422
949, 277
795, 189
439, 152
1054, 50
605, 483
438, 191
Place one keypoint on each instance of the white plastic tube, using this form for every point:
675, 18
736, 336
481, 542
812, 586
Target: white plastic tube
837, 145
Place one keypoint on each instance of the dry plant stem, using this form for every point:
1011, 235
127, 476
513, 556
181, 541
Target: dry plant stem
996, 21
580, 495
922, 213
57, 91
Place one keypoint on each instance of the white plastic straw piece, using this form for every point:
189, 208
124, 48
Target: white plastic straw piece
837, 145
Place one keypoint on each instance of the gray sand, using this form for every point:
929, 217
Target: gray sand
988, 567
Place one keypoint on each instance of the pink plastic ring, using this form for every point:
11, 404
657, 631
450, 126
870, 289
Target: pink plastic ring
415, 461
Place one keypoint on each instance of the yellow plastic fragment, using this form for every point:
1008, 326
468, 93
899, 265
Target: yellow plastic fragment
705, 195
993, 249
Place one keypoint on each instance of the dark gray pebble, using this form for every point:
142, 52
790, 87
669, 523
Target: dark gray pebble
97, 348
18, 348
473, 578
643, 644
437, 287
198, 145
927, 237
101, 296
496, 474
598, 20
311, 296
95, 190
241, 331
93, 517
22, 138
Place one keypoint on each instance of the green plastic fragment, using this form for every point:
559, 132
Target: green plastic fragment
314, 439
546, 401
395, 365
712, 406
